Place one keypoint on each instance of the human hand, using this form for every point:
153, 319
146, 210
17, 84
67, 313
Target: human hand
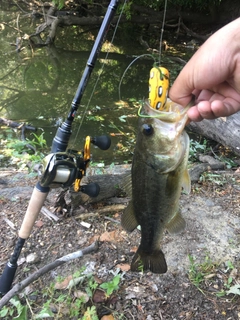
213, 76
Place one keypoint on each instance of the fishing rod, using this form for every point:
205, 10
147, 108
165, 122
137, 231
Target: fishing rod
62, 167
159, 77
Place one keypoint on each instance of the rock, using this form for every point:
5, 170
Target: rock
212, 162
32, 258
197, 170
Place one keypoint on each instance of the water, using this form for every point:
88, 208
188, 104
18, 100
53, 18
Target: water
37, 86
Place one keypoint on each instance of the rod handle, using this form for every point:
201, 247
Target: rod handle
36, 202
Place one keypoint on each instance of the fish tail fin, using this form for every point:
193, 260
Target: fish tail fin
155, 261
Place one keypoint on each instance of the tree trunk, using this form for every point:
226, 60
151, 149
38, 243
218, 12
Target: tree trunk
223, 130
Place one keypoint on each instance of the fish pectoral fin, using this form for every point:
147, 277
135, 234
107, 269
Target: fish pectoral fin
143, 261
186, 182
177, 224
128, 219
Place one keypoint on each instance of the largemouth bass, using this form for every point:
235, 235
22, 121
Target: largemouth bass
159, 172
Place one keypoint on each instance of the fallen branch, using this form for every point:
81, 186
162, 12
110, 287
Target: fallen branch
107, 209
16, 125
23, 284
49, 214
194, 34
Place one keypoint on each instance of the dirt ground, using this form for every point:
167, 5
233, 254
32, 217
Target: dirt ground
210, 245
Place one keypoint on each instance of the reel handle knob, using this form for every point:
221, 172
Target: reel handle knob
91, 189
102, 142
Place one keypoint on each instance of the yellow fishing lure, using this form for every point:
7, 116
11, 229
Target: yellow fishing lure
158, 87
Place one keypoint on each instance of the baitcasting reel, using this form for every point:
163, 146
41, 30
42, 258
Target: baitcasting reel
64, 169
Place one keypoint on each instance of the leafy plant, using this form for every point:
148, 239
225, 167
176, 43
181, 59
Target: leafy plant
39, 141
22, 152
90, 314
195, 274
112, 285
59, 3
196, 148
17, 308
46, 311
213, 178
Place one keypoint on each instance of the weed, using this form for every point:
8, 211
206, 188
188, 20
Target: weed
39, 141
229, 163
112, 285
90, 314
16, 308
214, 178
22, 152
196, 148
200, 274
195, 275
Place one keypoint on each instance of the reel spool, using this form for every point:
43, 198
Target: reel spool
64, 169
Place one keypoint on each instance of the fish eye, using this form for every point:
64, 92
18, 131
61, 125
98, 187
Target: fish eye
147, 129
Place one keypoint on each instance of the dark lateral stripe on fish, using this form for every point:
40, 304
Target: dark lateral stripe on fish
155, 262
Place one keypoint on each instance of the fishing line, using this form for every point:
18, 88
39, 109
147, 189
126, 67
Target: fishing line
160, 51
162, 30
130, 64
100, 73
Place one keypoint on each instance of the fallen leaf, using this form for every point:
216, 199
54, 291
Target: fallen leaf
123, 266
94, 238
82, 295
111, 236
108, 317
63, 284
134, 249
234, 289
39, 223
99, 296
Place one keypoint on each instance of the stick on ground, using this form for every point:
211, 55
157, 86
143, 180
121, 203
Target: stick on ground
58, 262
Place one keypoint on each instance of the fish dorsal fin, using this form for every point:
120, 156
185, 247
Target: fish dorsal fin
176, 224
126, 184
186, 181
128, 220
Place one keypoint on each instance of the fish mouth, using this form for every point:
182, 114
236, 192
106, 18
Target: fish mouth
174, 112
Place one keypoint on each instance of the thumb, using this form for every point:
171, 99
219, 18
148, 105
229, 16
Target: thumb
180, 92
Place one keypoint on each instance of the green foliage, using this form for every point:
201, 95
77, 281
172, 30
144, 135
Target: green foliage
201, 5
91, 287
46, 311
196, 276
201, 273
59, 3
112, 285
22, 152
214, 178
197, 148
90, 314
63, 302
17, 309
126, 7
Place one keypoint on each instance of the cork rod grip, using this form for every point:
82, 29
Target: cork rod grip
34, 207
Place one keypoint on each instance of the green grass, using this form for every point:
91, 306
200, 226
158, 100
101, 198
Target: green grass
208, 277
78, 300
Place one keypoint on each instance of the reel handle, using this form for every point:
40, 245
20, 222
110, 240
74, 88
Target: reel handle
102, 142
91, 189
